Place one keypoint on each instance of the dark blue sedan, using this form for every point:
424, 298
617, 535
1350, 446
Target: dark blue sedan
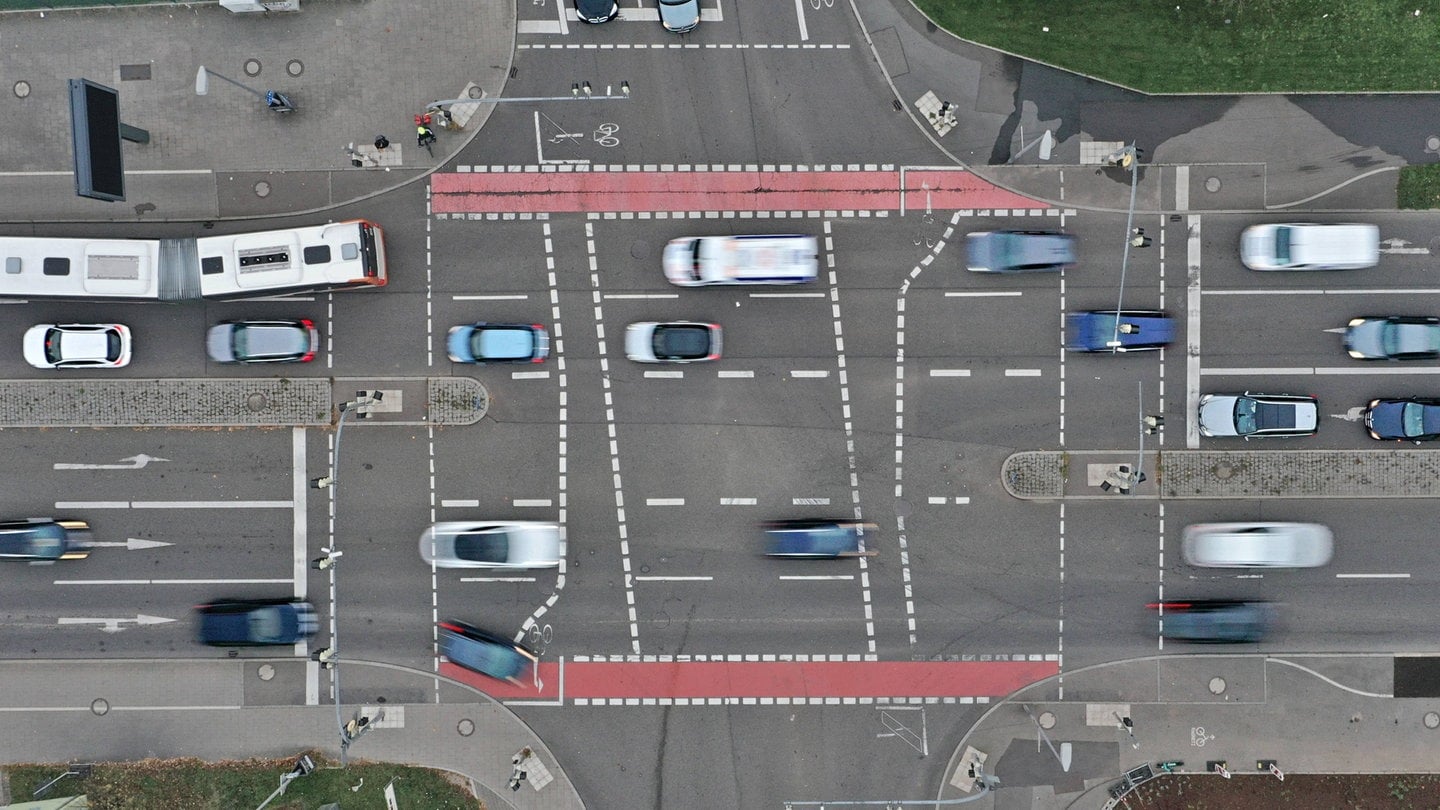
256, 622
1126, 330
818, 538
1404, 420
1217, 621
44, 540
478, 650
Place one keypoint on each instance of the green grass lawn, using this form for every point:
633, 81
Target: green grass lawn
1215, 46
197, 785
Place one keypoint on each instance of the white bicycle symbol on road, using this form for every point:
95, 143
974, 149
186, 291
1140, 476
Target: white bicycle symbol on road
1198, 737
605, 135
816, 4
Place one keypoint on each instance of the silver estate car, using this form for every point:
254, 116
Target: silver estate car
1257, 545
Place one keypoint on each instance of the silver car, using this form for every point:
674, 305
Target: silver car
1019, 251
1257, 545
492, 544
1247, 415
1393, 337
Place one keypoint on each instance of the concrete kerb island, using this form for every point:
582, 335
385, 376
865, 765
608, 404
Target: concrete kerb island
1259, 474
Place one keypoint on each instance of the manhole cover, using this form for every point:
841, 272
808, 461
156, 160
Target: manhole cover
100, 706
252, 67
1212, 184
1223, 470
1217, 686
475, 91
640, 249
267, 671
1047, 719
294, 67
22, 89
262, 189
466, 727
1432, 720
1432, 144
256, 402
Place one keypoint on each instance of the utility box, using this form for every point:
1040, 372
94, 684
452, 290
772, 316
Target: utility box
244, 6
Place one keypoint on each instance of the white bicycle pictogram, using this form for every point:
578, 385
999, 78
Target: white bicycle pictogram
1198, 737
605, 135
816, 4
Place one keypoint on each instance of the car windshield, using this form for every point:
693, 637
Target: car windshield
1282, 245
1412, 419
681, 341
1410, 338
489, 547
1244, 415
502, 344
265, 623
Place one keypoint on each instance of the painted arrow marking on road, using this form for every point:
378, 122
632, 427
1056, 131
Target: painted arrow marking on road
131, 463
131, 544
113, 625
1398, 246
1353, 415
1339, 330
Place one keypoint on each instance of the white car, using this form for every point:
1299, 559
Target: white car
492, 544
673, 342
1248, 415
1257, 545
1310, 246
77, 345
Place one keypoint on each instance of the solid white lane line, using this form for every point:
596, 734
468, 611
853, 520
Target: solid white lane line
942, 499
637, 296
92, 504
497, 579
787, 295
1385, 369
1372, 576
1022, 372
818, 578
664, 501
997, 294
737, 501
1417, 291
800, 373
809, 501
174, 504
460, 502
1192, 333
521, 297
949, 372
529, 502
300, 537
664, 375
725, 375
673, 579
529, 375
1277, 371
171, 581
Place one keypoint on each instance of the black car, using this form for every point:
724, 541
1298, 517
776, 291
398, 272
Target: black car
1216, 621
596, 11
1404, 420
44, 540
256, 622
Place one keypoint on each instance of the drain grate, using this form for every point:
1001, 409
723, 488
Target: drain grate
135, 73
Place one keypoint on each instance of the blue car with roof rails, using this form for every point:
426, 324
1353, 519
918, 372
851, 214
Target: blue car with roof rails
1114, 331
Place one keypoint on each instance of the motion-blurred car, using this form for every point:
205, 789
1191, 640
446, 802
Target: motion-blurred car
44, 540
492, 544
679, 16
1393, 337
673, 342
468, 646
1019, 251
77, 345
1310, 246
1404, 420
1137, 330
256, 622
1216, 621
596, 11
498, 343
1257, 545
279, 341
1249, 415
821, 539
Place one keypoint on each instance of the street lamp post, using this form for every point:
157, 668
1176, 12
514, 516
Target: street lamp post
1125, 158
275, 101
576, 89
329, 657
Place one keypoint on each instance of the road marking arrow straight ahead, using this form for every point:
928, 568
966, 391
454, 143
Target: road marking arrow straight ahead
131, 544
113, 625
131, 463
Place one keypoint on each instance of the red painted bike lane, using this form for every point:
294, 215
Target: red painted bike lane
787, 681
637, 191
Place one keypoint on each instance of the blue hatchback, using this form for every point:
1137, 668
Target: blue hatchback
1126, 330
480, 651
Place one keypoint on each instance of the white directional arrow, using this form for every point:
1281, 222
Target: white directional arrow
113, 625
1353, 415
134, 463
1339, 330
1398, 246
131, 544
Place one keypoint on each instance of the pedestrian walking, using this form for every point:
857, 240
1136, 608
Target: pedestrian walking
424, 136
1140, 241
381, 142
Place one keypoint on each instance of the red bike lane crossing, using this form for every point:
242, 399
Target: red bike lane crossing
591, 190
668, 682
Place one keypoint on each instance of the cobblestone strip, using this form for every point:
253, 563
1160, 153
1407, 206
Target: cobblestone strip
1034, 475
456, 401
1300, 474
260, 401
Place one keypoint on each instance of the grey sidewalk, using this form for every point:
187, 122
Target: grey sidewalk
115, 710
1309, 713
353, 70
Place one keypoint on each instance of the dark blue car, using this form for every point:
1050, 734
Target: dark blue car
256, 622
478, 650
1126, 330
1404, 420
1217, 621
818, 538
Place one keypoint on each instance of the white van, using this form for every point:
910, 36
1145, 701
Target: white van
1310, 246
762, 259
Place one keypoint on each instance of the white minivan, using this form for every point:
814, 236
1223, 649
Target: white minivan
763, 259
1257, 545
1310, 246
